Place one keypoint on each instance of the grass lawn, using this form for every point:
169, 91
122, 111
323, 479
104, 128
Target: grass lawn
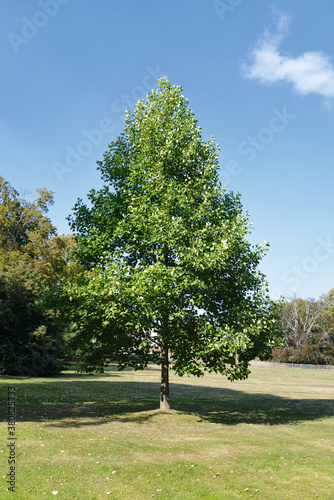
100, 436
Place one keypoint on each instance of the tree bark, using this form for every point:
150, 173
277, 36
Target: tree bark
164, 389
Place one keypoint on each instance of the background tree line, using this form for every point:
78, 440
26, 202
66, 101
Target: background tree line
35, 260
308, 327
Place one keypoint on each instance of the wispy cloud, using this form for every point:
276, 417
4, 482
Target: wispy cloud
308, 72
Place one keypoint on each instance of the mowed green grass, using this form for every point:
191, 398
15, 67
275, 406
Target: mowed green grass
101, 436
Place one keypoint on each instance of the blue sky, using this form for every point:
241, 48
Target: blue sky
259, 76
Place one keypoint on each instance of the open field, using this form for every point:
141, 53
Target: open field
100, 436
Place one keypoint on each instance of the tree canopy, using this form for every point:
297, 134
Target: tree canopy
24, 225
170, 276
33, 259
27, 232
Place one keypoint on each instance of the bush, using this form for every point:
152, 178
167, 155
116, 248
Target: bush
313, 354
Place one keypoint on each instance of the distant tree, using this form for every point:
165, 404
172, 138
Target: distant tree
59, 260
23, 224
308, 327
26, 230
171, 277
327, 316
31, 341
33, 259
301, 321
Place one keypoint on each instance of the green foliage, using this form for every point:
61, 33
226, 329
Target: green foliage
25, 230
30, 336
33, 259
59, 263
23, 224
168, 264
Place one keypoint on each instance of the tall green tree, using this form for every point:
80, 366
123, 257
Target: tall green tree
171, 277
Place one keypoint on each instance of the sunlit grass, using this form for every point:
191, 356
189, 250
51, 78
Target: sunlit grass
101, 436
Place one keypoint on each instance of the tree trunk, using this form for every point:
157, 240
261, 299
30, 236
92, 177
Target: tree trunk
164, 390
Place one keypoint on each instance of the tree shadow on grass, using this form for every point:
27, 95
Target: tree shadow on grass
80, 402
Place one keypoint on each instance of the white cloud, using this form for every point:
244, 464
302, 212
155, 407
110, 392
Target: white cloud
309, 72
